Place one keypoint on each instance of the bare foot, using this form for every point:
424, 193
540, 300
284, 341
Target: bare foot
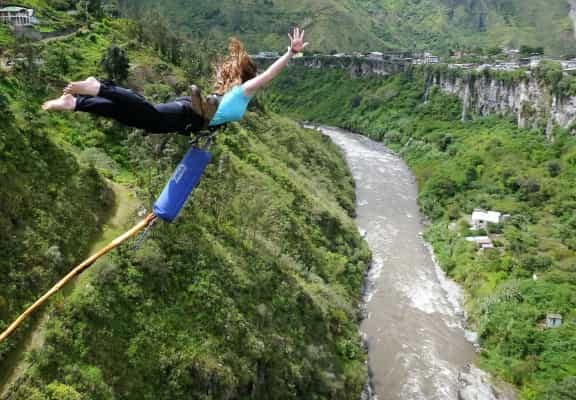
66, 102
89, 87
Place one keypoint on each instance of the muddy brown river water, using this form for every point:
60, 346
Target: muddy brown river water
414, 327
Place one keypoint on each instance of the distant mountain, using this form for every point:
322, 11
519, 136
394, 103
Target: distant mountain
376, 24
264, 24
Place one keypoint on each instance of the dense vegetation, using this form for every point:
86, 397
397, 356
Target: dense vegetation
460, 166
252, 293
376, 24
53, 203
44, 190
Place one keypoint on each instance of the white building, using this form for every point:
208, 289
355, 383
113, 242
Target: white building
506, 66
482, 242
553, 320
535, 61
375, 55
268, 54
569, 66
426, 58
481, 218
17, 16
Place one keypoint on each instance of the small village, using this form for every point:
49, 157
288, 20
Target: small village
508, 59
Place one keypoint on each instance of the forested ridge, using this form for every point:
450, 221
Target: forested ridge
253, 293
460, 166
360, 25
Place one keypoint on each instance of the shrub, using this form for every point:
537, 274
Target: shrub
356, 101
554, 168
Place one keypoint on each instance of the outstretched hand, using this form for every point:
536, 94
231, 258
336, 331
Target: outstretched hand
297, 43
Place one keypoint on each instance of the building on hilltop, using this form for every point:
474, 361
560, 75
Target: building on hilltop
267, 54
481, 218
512, 55
482, 242
375, 55
506, 66
17, 16
569, 66
425, 58
553, 320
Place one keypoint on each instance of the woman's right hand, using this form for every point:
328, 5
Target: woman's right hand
297, 43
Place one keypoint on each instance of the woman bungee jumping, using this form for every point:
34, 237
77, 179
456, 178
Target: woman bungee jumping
236, 81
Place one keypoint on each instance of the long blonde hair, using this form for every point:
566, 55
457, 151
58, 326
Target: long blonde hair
234, 69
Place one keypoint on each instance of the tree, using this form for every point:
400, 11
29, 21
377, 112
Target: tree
565, 390
528, 50
5, 109
92, 7
115, 63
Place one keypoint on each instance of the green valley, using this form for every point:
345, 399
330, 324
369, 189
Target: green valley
256, 290
460, 166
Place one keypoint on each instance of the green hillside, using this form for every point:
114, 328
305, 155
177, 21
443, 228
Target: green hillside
471, 23
264, 24
375, 24
52, 206
252, 293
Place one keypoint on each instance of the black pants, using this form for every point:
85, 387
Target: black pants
131, 109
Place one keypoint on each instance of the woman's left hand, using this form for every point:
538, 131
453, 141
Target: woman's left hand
297, 43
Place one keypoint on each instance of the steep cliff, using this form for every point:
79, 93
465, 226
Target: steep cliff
528, 100
527, 96
357, 67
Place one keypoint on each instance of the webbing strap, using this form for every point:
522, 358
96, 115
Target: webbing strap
140, 239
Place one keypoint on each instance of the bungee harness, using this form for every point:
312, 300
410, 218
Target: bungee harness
184, 179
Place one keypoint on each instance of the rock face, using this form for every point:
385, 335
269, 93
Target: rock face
528, 101
356, 66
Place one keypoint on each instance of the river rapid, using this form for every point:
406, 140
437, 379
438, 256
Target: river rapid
414, 325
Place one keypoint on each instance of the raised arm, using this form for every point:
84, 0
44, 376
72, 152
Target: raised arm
296, 45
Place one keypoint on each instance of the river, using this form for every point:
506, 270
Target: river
414, 325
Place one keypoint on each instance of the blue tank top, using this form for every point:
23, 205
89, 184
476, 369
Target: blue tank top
232, 107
